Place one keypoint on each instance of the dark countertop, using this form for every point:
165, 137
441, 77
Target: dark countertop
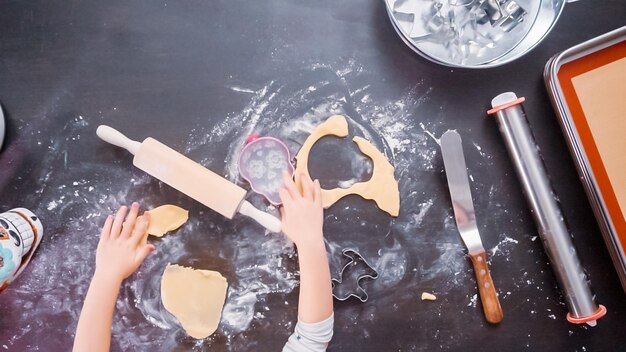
201, 75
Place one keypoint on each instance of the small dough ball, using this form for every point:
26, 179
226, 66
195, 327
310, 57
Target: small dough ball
428, 296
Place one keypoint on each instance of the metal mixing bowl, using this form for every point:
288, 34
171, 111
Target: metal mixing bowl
473, 33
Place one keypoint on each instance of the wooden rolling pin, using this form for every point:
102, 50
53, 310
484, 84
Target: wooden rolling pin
189, 177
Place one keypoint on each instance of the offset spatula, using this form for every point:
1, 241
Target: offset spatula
189, 177
456, 173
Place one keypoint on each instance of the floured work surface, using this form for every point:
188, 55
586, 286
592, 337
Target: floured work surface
602, 93
193, 104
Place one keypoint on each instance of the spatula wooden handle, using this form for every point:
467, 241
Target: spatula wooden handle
115, 137
486, 288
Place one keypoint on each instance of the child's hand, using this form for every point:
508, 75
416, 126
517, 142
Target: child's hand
123, 244
302, 213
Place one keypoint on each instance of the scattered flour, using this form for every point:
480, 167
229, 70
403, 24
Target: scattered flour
504, 247
260, 267
473, 301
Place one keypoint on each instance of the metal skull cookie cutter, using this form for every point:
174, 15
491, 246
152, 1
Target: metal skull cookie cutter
350, 276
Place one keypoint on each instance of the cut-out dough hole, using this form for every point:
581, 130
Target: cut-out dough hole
349, 165
382, 187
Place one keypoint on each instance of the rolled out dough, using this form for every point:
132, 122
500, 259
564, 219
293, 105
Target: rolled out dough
194, 297
382, 187
166, 218
335, 125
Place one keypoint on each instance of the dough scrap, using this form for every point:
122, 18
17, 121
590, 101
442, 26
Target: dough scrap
428, 296
194, 297
166, 218
335, 125
382, 187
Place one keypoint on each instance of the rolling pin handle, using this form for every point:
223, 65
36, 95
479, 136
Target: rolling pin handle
115, 137
268, 221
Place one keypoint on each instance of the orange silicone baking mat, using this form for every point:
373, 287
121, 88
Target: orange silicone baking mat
591, 84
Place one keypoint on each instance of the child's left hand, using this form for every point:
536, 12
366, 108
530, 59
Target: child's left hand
123, 244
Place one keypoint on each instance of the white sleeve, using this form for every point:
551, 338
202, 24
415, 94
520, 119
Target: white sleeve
311, 337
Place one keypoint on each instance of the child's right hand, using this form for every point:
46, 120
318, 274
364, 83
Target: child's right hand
123, 244
302, 213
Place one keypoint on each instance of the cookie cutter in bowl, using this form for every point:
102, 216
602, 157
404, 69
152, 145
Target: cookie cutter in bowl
473, 33
262, 162
349, 282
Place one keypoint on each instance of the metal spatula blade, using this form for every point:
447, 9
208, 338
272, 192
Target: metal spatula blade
458, 182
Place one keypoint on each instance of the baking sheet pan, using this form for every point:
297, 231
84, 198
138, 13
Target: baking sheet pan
587, 86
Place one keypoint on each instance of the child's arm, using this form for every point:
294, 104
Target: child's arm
303, 218
122, 248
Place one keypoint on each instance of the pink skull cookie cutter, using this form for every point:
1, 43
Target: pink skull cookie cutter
262, 162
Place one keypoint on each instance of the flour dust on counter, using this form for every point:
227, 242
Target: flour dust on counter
420, 250
72, 197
